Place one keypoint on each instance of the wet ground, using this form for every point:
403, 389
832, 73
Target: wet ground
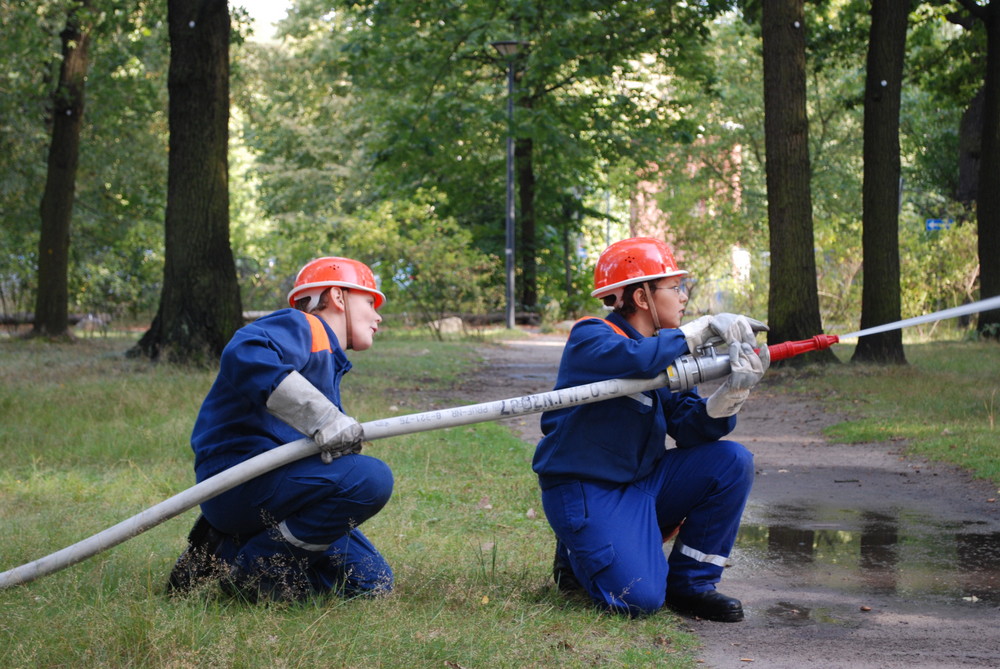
848, 556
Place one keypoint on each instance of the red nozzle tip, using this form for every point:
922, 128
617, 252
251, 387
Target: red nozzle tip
790, 349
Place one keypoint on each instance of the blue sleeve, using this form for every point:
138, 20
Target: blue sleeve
595, 353
259, 359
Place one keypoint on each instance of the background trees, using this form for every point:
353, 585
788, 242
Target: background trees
200, 306
60, 183
880, 297
391, 116
794, 303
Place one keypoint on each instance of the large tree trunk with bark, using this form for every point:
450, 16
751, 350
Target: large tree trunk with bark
988, 202
970, 147
793, 306
200, 304
880, 296
52, 300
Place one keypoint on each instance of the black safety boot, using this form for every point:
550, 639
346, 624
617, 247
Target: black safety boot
708, 605
199, 562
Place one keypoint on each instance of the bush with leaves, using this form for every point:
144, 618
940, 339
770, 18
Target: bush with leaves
938, 268
427, 264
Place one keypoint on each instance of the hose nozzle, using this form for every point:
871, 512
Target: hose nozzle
790, 349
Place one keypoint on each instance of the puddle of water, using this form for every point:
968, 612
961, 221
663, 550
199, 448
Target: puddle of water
862, 552
788, 614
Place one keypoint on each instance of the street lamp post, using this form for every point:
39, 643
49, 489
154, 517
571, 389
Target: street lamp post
508, 50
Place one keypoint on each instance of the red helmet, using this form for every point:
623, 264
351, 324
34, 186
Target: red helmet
631, 261
318, 275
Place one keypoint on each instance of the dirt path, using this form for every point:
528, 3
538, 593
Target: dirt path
849, 556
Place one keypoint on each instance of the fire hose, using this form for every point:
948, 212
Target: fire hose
684, 374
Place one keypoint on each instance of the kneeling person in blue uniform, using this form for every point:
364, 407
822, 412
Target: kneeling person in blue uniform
611, 489
293, 531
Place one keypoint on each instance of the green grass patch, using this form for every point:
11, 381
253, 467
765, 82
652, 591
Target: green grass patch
944, 405
90, 439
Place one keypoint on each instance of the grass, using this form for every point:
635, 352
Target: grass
943, 404
90, 439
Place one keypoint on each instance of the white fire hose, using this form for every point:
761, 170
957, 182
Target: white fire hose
685, 373
296, 450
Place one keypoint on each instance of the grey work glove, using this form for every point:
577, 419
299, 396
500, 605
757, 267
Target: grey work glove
747, 369
731, 328
301, 405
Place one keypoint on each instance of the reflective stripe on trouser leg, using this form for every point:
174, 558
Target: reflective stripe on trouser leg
695, 554
290, 538
706, 486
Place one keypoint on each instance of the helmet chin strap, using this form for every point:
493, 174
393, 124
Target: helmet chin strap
347, 317
652, 307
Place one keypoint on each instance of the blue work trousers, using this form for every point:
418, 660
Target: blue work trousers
309, 511
612, 534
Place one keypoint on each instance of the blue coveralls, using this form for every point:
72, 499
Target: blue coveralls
307, 510
611, 489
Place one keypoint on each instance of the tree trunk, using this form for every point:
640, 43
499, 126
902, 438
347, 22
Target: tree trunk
970, 144
52, 301
880, 296
200, 304
793, 307
526, 193
988, 201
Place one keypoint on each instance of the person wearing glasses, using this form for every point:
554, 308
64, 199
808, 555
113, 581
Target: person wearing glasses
612, 489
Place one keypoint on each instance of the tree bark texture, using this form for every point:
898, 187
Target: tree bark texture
526, 194
200, 305
880, 296
988, 202
52, 300
970, 144
793, 302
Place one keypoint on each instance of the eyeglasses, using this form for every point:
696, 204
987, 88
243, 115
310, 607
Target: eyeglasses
680, 289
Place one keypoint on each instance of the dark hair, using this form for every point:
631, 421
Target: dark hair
302, 304
627, 307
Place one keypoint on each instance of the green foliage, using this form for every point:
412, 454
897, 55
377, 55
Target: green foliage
366, 105
427, 262
427, 103
116, 235
938, 268
473, 566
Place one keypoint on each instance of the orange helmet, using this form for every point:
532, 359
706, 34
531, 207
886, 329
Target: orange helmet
631, 261
318, 275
